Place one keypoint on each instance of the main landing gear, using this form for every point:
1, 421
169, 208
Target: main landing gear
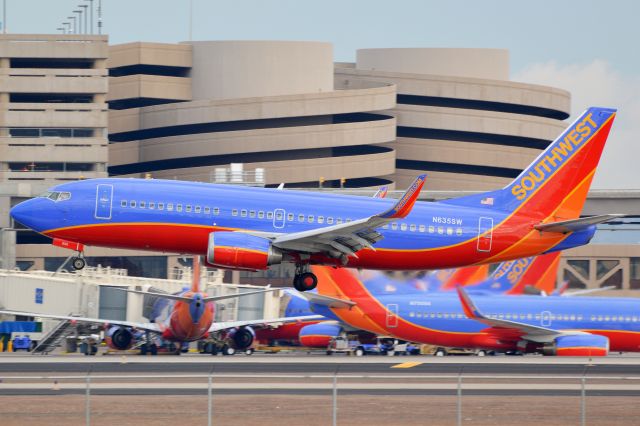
304, 280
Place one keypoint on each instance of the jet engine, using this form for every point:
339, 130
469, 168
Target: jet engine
578, 345
319, 335
241, 338
237, 250
120, 338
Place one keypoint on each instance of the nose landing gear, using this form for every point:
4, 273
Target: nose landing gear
78, 262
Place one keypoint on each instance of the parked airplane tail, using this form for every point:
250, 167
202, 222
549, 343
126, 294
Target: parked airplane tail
556, 183
514, 276
467, 275
195, 283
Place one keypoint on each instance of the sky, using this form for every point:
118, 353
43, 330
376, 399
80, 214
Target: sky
584, 46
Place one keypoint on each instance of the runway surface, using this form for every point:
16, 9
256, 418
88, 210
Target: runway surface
313, 375
277, 364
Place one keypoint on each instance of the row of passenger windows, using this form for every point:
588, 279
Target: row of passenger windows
151, 205
530, 317
280, 215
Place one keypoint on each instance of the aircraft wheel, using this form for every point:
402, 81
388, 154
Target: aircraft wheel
440, 352
305, 281
296, 283
78, 263
359, 352
481, 352
228, 350
249, 351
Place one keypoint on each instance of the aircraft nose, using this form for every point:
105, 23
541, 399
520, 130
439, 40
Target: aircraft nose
29, 213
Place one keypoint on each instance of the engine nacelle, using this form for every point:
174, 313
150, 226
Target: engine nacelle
120, 338
237, 250
318, 335
578, 345
241, 338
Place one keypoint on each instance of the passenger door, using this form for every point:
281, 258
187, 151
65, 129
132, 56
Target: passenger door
485, 233
104, 201
279, 218
392, 315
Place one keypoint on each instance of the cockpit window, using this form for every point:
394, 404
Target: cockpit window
56, 196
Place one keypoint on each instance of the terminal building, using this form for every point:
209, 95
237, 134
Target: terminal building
53, 121
286, 113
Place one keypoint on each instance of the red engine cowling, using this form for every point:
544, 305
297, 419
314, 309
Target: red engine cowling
120, 338
578, 345
237, 250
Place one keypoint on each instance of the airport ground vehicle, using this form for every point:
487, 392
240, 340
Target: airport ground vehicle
22, 343
215, 346
383, 346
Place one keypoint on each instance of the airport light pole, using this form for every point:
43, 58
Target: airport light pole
99, 16
61, 29
84, 12
91, 12
74, 24
79, 12
4, 16
190, 20
67, 27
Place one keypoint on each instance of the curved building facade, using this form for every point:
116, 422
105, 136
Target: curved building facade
458, 116
183, 111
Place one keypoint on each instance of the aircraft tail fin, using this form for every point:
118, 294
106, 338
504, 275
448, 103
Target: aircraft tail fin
468, 275
556, 183
195, 280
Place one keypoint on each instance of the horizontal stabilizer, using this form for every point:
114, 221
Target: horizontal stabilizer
180, 298
588, 291
331, 302
573, 225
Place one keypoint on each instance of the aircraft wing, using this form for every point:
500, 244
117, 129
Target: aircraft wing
346, 239
530, 332
137, 325
260, 323
332, 302
573, 225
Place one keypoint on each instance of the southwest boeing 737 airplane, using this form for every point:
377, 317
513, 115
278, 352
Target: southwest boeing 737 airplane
533, 275
554, 325
252, 228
